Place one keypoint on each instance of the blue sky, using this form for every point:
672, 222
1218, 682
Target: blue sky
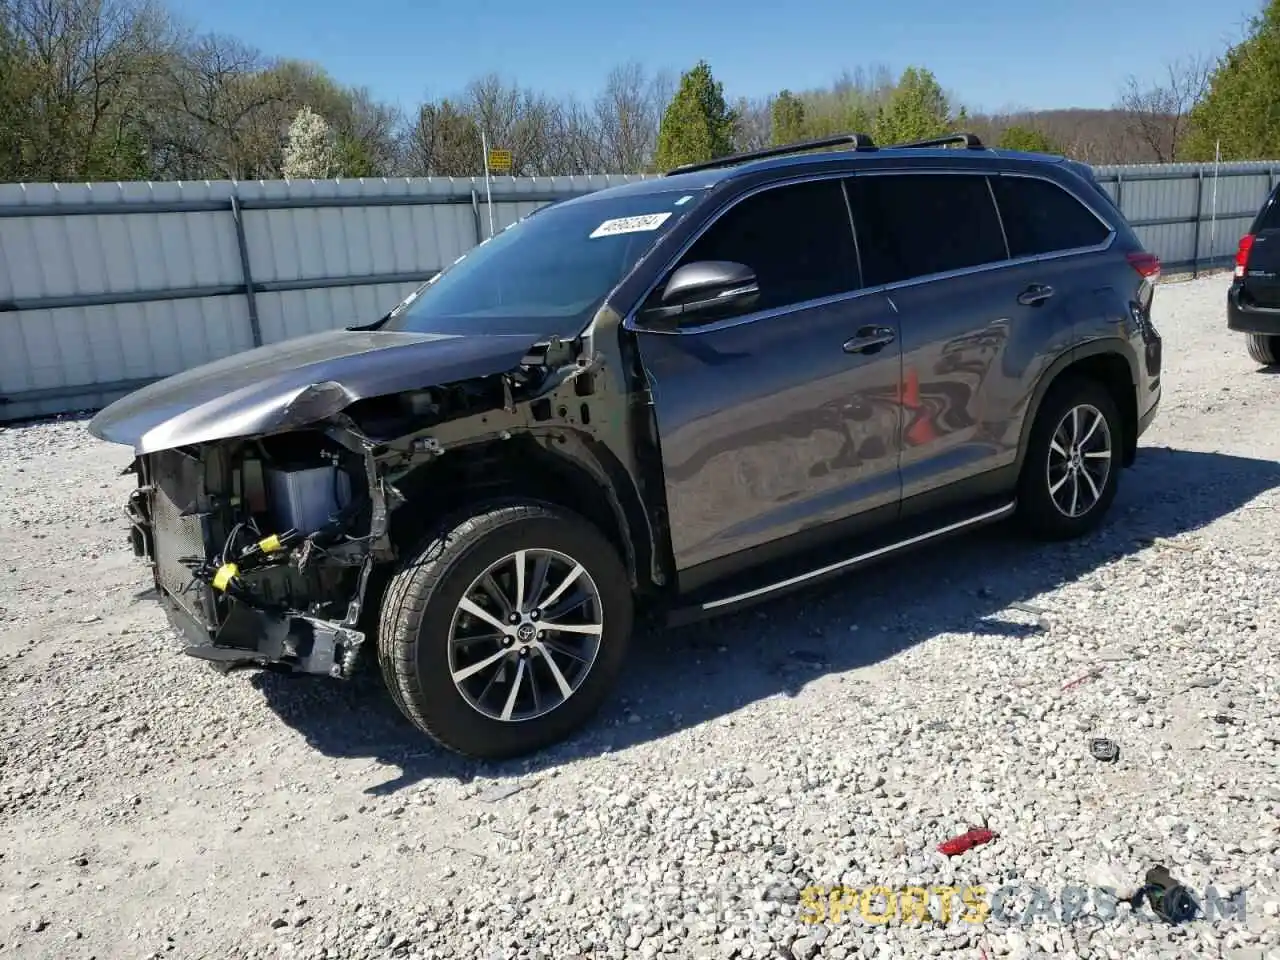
990, 53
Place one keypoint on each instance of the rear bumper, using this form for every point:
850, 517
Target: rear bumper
1145, 420
1242, 318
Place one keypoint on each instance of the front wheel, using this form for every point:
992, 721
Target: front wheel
504, 633
1072, 466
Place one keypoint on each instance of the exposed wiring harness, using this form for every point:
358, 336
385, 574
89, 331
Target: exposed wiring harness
263, 552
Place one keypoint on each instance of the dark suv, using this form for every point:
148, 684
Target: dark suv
674, 397
1253, 301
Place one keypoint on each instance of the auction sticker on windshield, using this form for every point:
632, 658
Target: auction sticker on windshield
640, 224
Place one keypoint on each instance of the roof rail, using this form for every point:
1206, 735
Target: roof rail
970, 140
860, 141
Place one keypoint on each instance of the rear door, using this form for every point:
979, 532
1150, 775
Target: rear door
932, 238
1057, 242
1261, 277
987, 296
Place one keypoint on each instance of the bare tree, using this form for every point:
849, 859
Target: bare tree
444, 141
628, 114
870, 86
1157, 113
367, 133
214, 89
755, 124
514, 119
575, 142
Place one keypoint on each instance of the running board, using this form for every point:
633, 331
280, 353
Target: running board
702, 610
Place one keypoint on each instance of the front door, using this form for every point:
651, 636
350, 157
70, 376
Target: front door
785, 419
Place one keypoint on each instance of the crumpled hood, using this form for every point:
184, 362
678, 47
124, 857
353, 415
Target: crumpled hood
296, 382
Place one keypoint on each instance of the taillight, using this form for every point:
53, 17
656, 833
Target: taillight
1242, 253
1147, 264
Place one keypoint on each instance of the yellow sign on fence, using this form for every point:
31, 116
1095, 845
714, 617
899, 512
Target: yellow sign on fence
499, 160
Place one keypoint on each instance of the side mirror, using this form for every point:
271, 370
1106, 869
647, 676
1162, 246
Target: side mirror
700, 290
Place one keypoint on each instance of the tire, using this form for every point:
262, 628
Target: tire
423, 612
1040, 512
1264, 348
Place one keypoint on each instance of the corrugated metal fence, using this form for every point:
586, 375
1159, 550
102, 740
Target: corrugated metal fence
1189, 214
105, 287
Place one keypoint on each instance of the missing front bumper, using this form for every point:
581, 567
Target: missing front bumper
298, 643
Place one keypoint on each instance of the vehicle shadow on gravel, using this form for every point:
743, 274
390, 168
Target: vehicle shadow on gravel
677, 679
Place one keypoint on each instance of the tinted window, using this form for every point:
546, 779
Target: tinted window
1041, 217
797, 239
547, 274
1269, 217
911, 225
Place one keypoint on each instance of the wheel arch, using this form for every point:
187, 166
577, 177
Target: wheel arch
1263, 348
1111, 362
567, 469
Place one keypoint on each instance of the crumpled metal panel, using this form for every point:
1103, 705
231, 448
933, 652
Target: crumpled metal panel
290, 384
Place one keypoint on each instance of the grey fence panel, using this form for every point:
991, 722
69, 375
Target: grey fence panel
69, 358
1190, 215
104, 287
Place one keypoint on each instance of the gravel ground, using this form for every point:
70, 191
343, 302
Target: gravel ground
150, 806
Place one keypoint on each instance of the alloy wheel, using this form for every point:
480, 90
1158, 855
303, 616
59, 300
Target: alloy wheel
1080, 454
525, 635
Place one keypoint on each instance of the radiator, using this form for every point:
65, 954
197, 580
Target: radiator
175, 531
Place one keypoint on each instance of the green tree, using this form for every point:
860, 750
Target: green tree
787, 118
1027, 140
1242, 108
697, 125
916, 109
76, 75
17, 87
839, 117
353, 158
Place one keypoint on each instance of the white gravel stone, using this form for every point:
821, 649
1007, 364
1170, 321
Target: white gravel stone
150, 806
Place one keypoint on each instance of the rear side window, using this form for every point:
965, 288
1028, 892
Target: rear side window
1040, 217
796, 238
1269, 215
913, 225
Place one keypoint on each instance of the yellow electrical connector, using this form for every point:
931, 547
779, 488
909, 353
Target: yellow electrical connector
224, 575
270, 544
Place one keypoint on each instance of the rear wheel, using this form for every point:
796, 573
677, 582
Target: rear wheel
1072, 466
503, 633
1264, 348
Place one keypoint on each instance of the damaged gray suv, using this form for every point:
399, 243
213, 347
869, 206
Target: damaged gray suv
671, 398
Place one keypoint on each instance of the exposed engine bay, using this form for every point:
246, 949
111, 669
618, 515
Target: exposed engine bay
264, 543
262, 547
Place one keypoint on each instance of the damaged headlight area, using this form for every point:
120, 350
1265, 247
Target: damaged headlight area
262, 548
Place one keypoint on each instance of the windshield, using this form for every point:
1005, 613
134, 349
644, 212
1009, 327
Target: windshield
546, 274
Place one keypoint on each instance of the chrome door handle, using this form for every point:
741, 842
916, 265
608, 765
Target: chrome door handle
1035, 294
870, 339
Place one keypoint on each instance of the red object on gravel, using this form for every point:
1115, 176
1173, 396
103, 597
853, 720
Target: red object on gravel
975, 837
